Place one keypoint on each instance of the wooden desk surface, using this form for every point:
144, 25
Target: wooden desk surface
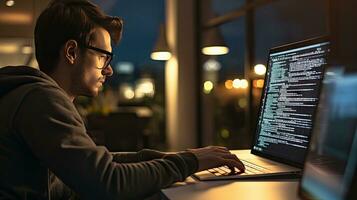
264, 189
233, 190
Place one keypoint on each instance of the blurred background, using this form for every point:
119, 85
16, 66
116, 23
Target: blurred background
187, 73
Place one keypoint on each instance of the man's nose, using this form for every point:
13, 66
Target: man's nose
108, 71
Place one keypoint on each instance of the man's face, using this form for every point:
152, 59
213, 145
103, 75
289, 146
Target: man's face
88, 77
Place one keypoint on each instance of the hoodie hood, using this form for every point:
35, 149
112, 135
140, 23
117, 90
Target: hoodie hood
15, 84
12, 77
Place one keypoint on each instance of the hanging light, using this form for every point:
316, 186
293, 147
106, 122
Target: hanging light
212, 39
161, 50
213, 43
10, 3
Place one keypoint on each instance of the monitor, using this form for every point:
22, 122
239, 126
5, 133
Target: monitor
289, 100
331, 161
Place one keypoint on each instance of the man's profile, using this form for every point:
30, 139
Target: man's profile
45, 152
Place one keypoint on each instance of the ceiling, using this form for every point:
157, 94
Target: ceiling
16, 31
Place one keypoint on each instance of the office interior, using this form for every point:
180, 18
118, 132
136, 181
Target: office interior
170, 91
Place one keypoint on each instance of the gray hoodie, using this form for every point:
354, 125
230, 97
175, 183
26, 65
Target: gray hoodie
43, 137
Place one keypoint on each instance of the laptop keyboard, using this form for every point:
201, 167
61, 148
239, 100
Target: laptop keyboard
250, 168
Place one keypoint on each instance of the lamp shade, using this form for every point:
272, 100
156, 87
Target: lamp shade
161, 50
213, 43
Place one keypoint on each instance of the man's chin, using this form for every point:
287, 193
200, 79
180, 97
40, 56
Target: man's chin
94, 93
91, 93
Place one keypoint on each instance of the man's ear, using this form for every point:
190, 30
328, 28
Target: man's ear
71, 50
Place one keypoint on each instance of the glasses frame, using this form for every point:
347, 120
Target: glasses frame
110, 55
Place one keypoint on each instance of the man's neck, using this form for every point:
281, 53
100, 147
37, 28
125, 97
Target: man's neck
63, 82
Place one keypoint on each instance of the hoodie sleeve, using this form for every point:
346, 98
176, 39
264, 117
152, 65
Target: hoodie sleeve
143, 155
52, 128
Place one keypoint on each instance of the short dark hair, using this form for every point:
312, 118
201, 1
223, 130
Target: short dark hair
63, 20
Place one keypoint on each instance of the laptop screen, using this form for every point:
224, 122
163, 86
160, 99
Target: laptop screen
331, 162
289, 100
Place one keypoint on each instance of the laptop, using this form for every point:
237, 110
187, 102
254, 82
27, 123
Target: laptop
330, 169
289, 100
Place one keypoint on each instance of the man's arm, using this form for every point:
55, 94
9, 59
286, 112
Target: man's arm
143, 155
54, 131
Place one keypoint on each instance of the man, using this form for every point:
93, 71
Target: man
45, 152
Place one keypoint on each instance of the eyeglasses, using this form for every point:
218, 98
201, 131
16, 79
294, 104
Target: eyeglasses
108, 55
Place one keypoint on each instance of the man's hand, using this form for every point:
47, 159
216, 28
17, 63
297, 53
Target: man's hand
215, 156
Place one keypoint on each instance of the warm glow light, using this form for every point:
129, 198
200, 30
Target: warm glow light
244, 83
207, 87
10, 3
144, 87
212, 65
129, 93
8, 48
260, 69
258, 83
26, 50
15, 18
242, 102
161, 55
228, 84
236, 83
215, 50
225, 133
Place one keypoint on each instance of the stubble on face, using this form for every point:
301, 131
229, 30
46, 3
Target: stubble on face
88, 79
91, 82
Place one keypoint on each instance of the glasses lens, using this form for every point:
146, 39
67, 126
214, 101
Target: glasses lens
108, 56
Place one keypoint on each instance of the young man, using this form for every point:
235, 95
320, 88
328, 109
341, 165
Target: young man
45, 152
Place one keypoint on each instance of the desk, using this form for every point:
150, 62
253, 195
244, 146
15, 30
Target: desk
248, 189
233, 190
